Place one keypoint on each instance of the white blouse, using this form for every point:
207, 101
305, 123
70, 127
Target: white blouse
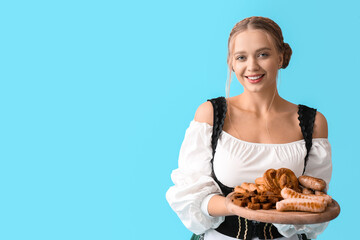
235, 162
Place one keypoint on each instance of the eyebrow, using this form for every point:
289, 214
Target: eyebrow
260, 49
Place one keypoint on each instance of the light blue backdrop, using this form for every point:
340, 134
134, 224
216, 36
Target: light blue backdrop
95, 98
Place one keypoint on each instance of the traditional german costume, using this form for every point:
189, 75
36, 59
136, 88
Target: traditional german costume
211, 162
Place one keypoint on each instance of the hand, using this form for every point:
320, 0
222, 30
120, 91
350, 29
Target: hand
217, 206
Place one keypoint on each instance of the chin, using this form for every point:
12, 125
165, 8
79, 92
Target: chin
254, 90
257, 89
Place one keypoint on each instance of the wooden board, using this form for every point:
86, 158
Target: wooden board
274, 216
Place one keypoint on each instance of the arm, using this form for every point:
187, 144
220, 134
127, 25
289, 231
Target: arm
320, 162
193, 184
319, 165
320, 126
215, 206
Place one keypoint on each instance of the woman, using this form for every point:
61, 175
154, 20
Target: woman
261, 131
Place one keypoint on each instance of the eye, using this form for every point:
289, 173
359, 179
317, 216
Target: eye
263, 55
241, 58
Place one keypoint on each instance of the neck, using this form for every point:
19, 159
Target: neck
259, 102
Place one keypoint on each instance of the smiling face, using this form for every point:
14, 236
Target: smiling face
255, 60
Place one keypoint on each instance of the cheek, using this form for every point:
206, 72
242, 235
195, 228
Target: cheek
238, 67
272, 66
239, 73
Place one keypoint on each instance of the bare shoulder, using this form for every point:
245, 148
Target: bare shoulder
205, 113
320, 126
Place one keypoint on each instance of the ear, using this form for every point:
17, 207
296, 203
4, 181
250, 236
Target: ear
281, 60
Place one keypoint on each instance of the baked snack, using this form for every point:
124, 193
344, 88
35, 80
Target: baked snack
287, 178
270, 181
275, 180
280, 189
239, 189
254, 201
260, 181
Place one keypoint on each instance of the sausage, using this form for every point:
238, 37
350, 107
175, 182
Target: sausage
288, 193
312, 182
300, 204
307, 191
328, 198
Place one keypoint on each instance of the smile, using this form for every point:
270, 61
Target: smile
255, 78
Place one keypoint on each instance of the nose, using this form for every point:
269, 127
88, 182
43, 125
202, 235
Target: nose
252, 65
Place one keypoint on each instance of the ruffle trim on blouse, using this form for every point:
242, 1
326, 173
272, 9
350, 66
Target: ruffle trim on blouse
209, 129
219, 118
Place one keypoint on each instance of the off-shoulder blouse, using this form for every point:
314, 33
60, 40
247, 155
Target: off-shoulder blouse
235, 161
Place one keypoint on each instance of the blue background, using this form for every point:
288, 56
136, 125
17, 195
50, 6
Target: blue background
95, 98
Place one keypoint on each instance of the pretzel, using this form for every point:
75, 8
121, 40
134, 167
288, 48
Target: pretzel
287, 178
270, 181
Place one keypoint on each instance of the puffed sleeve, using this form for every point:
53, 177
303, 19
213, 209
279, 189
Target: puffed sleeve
193, 183
319, 165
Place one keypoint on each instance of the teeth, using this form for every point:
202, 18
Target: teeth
254, 78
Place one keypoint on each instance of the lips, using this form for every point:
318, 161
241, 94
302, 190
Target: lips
255, 78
